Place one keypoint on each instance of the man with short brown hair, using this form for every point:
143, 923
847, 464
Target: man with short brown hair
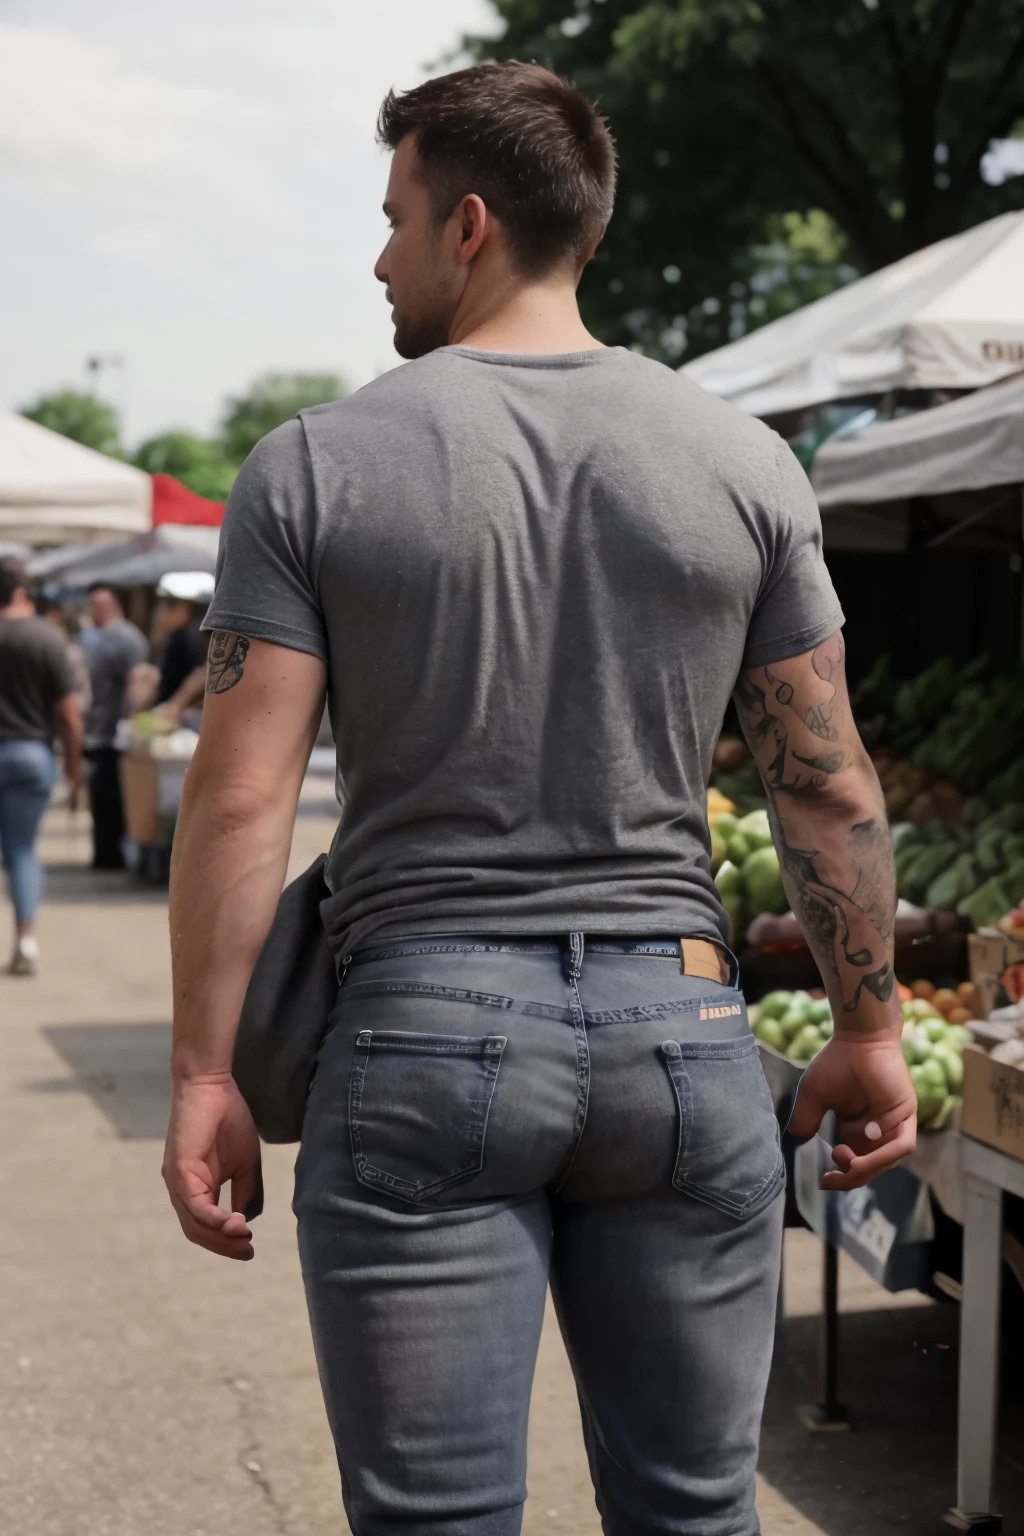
529, 571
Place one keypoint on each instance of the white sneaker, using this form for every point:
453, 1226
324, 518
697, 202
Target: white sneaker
26, 958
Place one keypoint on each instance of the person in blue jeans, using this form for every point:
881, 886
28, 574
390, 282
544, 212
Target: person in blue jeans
37, 702
527, 572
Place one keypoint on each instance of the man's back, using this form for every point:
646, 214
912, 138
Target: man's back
535, 581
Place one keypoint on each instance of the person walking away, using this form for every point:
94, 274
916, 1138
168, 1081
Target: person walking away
112, 647
37, 702
529, 570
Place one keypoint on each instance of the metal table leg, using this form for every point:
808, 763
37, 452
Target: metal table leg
828, 1413
979, 1357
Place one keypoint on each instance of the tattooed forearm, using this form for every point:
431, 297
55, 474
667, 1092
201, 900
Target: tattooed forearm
225, 661
843, 892
828, 819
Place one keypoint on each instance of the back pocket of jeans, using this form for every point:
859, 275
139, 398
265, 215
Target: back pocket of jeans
729, 1153
418, 1109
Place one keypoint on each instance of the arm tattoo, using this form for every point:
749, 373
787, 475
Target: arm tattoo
788, 713
838, 872
225, 661
846, 902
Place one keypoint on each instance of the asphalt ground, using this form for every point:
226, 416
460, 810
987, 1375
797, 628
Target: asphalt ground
147, 1389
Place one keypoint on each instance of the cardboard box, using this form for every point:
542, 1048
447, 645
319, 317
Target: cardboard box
139, 793
151, 791
991, 954
993, 1109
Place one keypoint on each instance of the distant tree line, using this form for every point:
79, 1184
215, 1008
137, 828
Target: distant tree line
207, 465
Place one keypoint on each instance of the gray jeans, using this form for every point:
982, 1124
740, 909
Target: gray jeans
489, 1115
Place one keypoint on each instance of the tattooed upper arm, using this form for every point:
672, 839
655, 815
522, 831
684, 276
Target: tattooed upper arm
225, 660
796, 717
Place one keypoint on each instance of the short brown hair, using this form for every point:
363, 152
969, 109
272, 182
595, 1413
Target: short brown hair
528, 142
12, 576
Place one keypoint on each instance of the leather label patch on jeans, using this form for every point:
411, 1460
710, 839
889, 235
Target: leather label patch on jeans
724, 1012
702, 958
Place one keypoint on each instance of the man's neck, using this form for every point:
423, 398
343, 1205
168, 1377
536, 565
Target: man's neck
538, 318
21, 608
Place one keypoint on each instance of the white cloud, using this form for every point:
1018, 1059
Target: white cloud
67, 106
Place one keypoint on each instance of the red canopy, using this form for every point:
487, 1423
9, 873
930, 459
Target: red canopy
175, 503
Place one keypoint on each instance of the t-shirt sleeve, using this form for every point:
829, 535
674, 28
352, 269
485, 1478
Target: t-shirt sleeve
60, 676
265, 582
797, 607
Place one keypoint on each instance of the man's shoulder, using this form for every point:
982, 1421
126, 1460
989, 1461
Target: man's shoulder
33, 636
702, 413
393, 389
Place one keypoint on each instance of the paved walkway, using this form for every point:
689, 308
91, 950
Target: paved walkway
148, 1390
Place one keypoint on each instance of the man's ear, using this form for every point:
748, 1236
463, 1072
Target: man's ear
474, 225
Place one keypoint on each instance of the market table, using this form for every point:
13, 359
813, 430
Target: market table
987, 1174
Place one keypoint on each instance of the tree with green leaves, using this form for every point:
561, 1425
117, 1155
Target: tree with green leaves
82, 417
771, 148
271, 400
197, 462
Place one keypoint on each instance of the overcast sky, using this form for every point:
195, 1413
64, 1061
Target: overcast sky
195, 186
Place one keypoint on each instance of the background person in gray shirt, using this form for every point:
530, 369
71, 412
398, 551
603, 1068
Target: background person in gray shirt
528, 572
112, 646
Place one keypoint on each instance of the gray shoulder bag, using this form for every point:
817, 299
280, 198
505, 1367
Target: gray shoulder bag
291, 993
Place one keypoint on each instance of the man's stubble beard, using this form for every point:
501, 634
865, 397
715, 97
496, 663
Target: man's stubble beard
429, 328
415, 338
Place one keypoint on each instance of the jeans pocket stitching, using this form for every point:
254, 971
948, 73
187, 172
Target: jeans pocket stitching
488, 1050
755, 1198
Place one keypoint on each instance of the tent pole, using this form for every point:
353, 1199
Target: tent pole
1021, 488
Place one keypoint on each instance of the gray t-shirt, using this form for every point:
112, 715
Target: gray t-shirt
110, 654
534, 581
35, 673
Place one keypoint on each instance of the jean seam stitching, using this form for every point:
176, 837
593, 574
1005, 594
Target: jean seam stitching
579, 1022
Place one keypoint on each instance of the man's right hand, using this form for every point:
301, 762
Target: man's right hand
866, 1082
211, 1140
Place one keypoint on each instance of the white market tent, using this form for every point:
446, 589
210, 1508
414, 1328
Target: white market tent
53, 491
967, 445
950, 316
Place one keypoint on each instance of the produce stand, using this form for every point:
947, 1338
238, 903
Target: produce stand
937, 952
886, 1228
987, 1173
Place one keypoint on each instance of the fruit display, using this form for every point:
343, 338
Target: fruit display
795, 1024
950, 732
973, 866
734, 776
1012, 923
743, 787
746, 869
798, 1024
718, 805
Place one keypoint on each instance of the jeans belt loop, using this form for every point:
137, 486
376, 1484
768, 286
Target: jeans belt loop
575, 955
